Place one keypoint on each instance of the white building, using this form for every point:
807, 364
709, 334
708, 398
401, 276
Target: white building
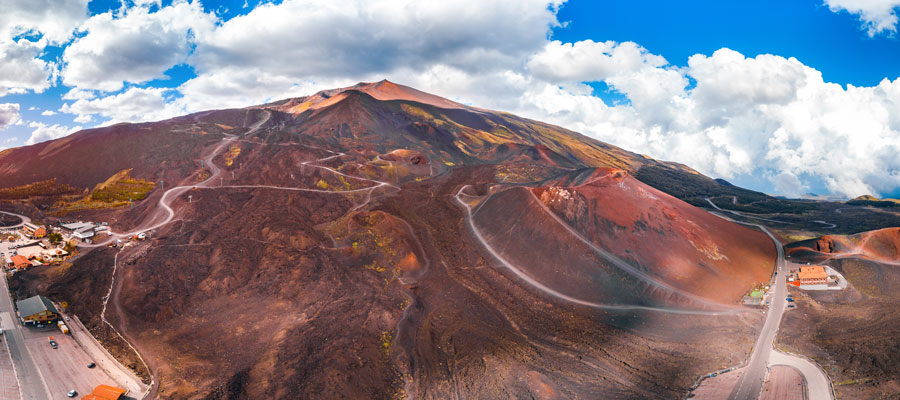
85, 233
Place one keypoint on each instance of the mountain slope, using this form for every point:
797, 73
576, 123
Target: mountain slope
327, 250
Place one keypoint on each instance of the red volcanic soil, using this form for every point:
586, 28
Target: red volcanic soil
160, 150
659, 236
881, 245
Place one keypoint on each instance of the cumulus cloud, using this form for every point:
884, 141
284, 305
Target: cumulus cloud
9, 114
877, 16
78, 94
43, 132
306, 37
588, 60
21, 70
765, 115
135, 47
45, 22
53, 20
132, 105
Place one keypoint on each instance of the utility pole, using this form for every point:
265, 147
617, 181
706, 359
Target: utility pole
130, 204
201, 163
162, 184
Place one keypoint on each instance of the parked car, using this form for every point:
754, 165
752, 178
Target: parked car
92, 365
72, 393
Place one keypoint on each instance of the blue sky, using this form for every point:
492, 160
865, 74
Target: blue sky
749, 92
807, 30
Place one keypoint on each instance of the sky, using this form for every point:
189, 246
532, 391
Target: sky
789, 98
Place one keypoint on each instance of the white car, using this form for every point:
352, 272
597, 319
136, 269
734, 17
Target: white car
72, 393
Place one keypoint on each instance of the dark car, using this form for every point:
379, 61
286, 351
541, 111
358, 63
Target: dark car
92, 365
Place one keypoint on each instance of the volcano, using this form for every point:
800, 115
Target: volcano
376, 241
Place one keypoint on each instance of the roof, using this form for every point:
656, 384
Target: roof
756, 293
104, 392
34, 305
77, 225
85, 232
30, 226
812, 272
19, 259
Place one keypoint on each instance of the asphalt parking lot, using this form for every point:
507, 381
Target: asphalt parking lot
64, 368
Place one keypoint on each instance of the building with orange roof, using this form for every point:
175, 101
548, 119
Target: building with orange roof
104, 392
812, 277
20, 262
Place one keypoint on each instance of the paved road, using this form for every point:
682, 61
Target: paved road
750, 385
24, 221
65, 368
9, 385
784, 383
816, 382
31, 382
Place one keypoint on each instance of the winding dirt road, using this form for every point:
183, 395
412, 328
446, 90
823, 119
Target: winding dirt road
721, 309
164, 214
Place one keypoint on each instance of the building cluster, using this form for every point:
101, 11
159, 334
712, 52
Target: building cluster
34, 244
84, 231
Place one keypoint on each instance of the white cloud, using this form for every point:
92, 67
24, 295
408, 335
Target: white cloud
83, 119
43, 132
9, 115
54, 20
877, 16
78, 94
136, 47
763, 115
307, 37
589, 61
45, 22
48, 113
132, 105
21, 70
12, 140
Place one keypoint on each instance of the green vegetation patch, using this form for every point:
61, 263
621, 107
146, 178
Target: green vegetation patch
44, 188
114, 192
122, 190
